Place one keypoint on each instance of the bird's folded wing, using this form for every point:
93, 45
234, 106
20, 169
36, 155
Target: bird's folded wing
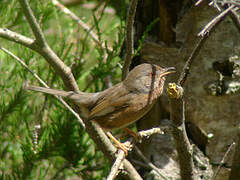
112, 101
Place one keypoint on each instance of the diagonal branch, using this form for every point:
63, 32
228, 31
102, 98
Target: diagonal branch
44, 84
235, 173
151, 165
33, 23
81, 23
213, 22
115, 167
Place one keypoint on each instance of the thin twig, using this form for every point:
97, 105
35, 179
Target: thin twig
15, 37
236, 18
197, 48
235, 173
222, 161
129, 38
150, 132
198, 2
237, 3
107, 148
186, 68
115, 167
44, 84
142, 164
151, 165
33, 23
81, 23
216, 19
121, 155
233, 12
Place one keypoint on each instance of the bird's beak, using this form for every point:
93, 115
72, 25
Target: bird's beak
168, 70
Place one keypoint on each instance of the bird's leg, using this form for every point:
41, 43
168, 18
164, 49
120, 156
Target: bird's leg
132, 133
118, 144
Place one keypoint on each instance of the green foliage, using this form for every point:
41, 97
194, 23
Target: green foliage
39, 138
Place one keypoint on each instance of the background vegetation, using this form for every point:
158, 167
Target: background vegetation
38, 137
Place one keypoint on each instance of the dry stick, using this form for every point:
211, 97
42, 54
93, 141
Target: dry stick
41, 41
186, 68
234, 15
215, 20
235, 171
121, 155
129, 38
17, 38
199, 44
235, 18
40, 45
150, 132
149, 164
44, 84
198, 2
222, 161
237, 3
115, 167
81, 23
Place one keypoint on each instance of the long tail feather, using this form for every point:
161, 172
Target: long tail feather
51, 91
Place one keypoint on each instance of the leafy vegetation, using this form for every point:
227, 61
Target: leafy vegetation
39, 137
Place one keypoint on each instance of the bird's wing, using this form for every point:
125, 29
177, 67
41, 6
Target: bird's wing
114, 99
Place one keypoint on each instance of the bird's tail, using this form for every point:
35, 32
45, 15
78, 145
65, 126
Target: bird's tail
51, 91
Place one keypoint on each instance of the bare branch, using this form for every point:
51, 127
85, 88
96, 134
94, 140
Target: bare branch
15, 37
203, 36
33, 23
212, 23
44, 84
129, 38
236, 19
235, 2
223, 161
99, 137
233, 13
149, 164
235, 173
81, 23
186, 68
115, 167
150, 132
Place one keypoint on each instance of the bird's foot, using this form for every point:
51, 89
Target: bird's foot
123, 146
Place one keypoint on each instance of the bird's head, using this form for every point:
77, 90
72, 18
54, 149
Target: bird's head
147, 77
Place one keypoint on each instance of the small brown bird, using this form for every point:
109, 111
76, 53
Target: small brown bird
122, 104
